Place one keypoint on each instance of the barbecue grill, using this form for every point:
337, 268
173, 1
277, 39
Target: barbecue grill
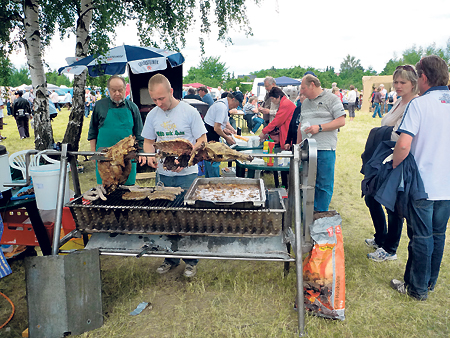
171, 229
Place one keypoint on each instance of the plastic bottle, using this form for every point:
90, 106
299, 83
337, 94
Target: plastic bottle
266, 150
271, 159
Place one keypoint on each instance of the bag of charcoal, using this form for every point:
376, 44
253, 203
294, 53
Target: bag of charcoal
324, 268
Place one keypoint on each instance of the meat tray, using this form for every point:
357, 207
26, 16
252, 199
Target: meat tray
190, 200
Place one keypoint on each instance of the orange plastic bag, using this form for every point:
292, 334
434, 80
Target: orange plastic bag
324, 268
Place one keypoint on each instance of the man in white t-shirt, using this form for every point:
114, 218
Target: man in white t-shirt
171, 119
424, 133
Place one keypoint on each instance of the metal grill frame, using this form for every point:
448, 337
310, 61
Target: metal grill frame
300, 207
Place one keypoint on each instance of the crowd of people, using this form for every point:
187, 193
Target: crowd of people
400, 167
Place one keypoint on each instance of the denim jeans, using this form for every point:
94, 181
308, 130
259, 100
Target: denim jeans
87, 109
324, 179
257, 122
387, 237
212, 169
182, 182
427, 223
377, 110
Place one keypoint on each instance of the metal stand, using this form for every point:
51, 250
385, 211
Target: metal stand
300, 209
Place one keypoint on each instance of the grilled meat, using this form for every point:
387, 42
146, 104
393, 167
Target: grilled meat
116, 171
217, 152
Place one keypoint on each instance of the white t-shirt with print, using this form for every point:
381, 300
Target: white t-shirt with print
183, 121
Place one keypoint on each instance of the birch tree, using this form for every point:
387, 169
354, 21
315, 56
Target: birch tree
43, 133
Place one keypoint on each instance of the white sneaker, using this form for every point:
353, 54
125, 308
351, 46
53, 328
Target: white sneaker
380, 255
190, 270
370, 242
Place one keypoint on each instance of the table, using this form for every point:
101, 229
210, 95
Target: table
35, 218
251, 168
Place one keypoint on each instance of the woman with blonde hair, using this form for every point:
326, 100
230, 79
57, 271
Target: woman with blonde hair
387, 238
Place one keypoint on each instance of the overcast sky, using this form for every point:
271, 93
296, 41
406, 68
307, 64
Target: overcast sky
289, 33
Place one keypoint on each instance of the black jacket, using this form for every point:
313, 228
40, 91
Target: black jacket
376, 136
293, 125
20, 103
392, 186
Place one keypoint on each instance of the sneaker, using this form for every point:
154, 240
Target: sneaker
398, 286
380, 255
165, 267
190, 270
370, 242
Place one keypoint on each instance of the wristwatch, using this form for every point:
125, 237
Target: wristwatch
320, 128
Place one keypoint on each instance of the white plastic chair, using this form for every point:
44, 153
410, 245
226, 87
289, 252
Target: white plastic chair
18, 160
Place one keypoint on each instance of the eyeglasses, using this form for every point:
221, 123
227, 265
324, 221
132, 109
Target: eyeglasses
407, 68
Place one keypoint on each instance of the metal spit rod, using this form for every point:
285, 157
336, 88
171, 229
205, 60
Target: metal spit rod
298, 240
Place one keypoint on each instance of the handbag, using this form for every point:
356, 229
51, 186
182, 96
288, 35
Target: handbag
275, 135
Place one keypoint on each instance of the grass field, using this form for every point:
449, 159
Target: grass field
253, 299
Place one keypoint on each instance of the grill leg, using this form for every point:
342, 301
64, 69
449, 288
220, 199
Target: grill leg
286, 264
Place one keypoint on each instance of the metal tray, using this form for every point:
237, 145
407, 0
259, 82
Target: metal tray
190, 201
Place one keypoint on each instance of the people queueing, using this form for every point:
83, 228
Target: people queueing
171, 119
387, 237
424, 134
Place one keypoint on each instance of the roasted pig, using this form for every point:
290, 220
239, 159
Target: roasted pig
116, 170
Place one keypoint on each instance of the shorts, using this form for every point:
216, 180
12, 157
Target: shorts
1, 123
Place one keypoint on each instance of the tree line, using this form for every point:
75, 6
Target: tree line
212, 72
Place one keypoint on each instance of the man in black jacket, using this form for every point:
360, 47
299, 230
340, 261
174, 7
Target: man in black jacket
21, 112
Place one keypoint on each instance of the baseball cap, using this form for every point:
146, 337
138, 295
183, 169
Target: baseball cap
310, 72
239, 96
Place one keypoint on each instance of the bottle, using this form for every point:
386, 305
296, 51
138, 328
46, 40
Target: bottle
271, 159
266, 150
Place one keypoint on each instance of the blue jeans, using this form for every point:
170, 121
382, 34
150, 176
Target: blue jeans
87, 109
387, 237
377, 110
212, 169
427, 223
324, 179
182, 182
257, 122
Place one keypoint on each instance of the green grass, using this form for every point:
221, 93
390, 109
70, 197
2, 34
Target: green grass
253, 299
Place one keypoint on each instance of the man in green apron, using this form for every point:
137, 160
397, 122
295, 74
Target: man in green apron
113, 119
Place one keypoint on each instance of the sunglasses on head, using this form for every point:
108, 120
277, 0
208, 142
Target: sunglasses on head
407, 68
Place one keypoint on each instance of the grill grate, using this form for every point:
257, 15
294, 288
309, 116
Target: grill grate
172, 217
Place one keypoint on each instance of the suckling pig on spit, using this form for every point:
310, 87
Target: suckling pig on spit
217, 152
116, 171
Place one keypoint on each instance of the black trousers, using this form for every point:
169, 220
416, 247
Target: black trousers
23, 126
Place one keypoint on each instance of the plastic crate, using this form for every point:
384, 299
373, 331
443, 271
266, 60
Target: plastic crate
16, 232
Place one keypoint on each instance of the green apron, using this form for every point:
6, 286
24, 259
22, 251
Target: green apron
118, 124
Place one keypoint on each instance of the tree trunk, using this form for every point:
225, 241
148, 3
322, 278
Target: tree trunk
43, 132
76, 118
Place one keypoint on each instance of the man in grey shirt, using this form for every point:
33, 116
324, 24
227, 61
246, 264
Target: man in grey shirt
325, 113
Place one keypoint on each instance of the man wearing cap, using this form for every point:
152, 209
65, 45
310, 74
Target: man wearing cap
218, 125
325, 114
21, 112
